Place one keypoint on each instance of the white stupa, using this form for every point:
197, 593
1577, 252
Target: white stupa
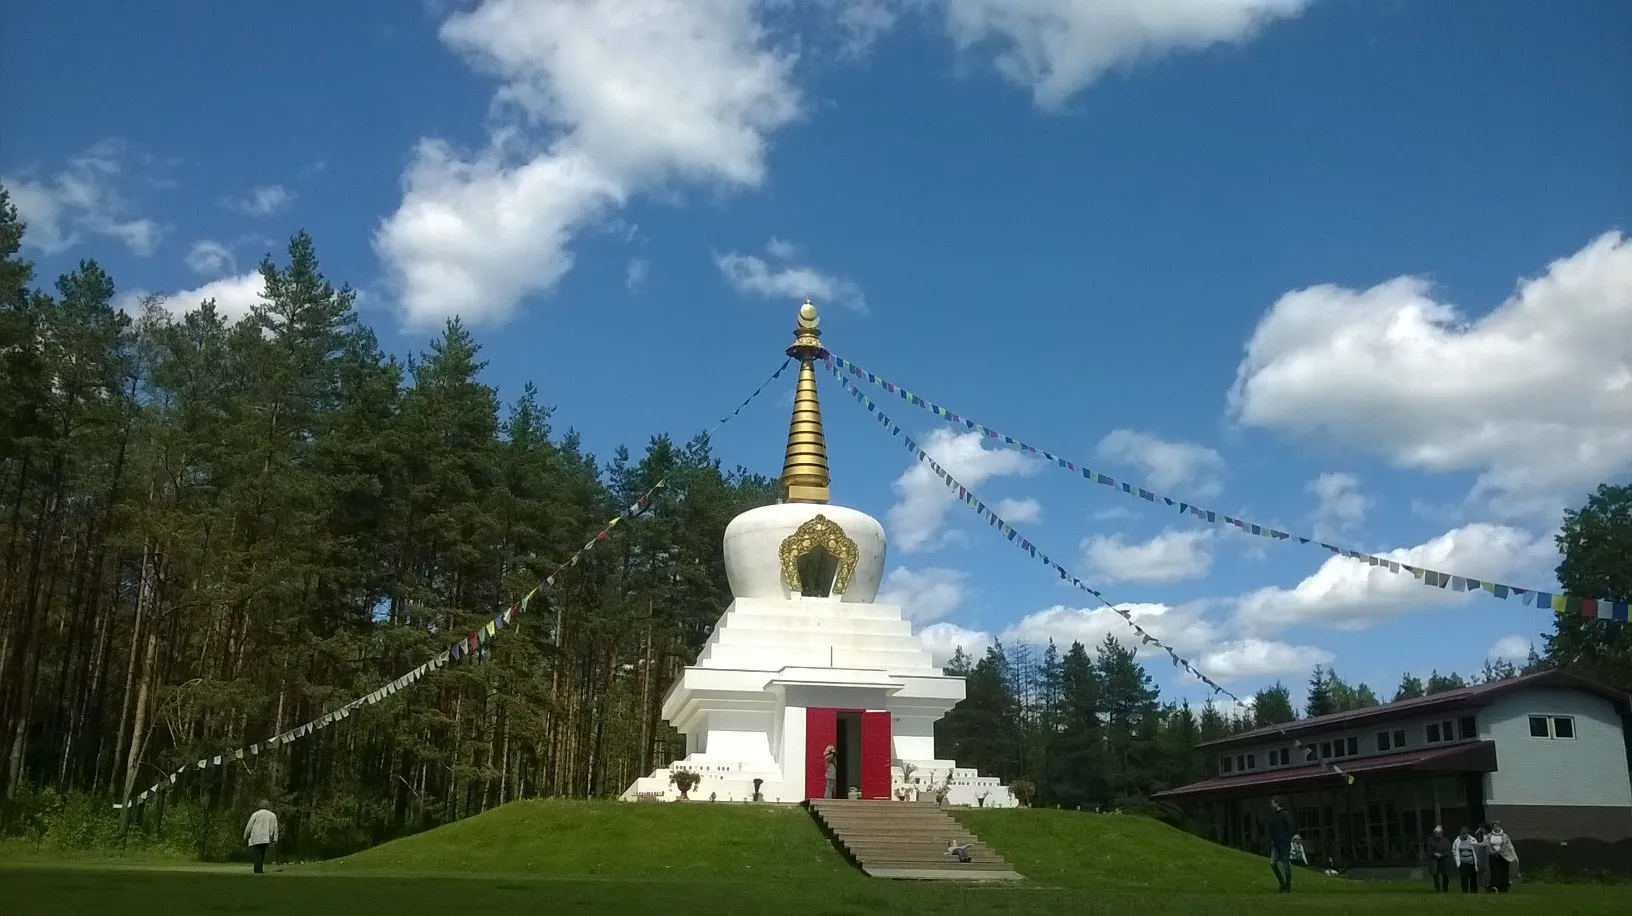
805, 657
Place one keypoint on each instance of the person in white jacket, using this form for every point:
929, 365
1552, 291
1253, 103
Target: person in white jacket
260, 833
1465, 853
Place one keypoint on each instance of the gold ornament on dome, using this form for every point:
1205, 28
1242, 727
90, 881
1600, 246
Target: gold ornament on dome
820, 532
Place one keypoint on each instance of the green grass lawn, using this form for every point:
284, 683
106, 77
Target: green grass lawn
596, 857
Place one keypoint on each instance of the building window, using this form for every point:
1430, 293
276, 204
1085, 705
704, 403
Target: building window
1383, 741
1252, 761
1282, 757
1399, 738
1309, 754
1226, 764
1561, 727
1437, 732
1325, 749
1467, 728
1353, 746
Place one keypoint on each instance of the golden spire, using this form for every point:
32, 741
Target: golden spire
804, 469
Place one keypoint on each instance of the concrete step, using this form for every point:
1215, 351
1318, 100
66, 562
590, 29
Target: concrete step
906, 840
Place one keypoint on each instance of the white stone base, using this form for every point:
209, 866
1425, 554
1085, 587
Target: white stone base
735, 783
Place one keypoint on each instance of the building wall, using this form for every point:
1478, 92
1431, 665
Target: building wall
1416, 739
1564, 823
1589, 770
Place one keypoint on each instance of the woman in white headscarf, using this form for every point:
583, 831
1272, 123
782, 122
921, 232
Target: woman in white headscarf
1504, 859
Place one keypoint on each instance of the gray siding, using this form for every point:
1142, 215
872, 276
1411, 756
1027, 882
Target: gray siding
1589, 770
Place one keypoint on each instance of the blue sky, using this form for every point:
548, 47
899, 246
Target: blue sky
1349, 269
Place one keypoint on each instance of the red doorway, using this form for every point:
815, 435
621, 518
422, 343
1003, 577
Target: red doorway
862, 740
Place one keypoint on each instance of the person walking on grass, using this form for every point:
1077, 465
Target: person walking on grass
1465, 853
1439, 860
831, 758
1502, 856
260, 833
1281, 830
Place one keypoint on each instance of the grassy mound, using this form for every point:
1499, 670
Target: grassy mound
615, 840
1121, 853
703, 841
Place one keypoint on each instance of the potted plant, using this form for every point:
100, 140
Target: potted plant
685, 781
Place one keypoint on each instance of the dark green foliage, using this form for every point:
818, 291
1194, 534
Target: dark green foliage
1596, 541
215, 530
1321, 702
1273, 705
1439, 683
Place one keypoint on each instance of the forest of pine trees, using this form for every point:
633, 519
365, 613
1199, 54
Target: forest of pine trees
214, 530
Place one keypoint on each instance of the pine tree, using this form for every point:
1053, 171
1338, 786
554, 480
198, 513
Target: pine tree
1128, 702
1596, 541
1320, 702
1439, 683
1076, 755
1273, 705
1410, 688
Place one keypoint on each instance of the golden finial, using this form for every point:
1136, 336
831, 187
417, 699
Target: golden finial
804, 468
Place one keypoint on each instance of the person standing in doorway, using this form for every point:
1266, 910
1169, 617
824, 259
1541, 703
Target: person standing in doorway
260, 833
831, 758
1281, 829
1465, 852
1439, 859
1502, 856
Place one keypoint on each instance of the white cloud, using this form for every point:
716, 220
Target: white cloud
1168, 557
631, 95
82, 198
1018, 511
1511, 648
264, 200
1534, 396
211, 257
1183, 628
233, 295
923, 499
1342, 506
1057, 47
944, 639
752, 275
782, 249
1167, 465
635, 278
924, 595
1254, 658
1191, 635
1352, 595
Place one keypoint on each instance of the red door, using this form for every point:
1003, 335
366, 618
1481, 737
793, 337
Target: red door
821, 730
875, 755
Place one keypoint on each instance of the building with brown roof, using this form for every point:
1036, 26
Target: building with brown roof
1545, 754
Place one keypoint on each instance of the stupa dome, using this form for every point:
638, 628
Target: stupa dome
790, 549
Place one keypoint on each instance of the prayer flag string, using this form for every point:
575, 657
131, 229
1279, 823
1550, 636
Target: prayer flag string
1595, 608
968, 498
473, 646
